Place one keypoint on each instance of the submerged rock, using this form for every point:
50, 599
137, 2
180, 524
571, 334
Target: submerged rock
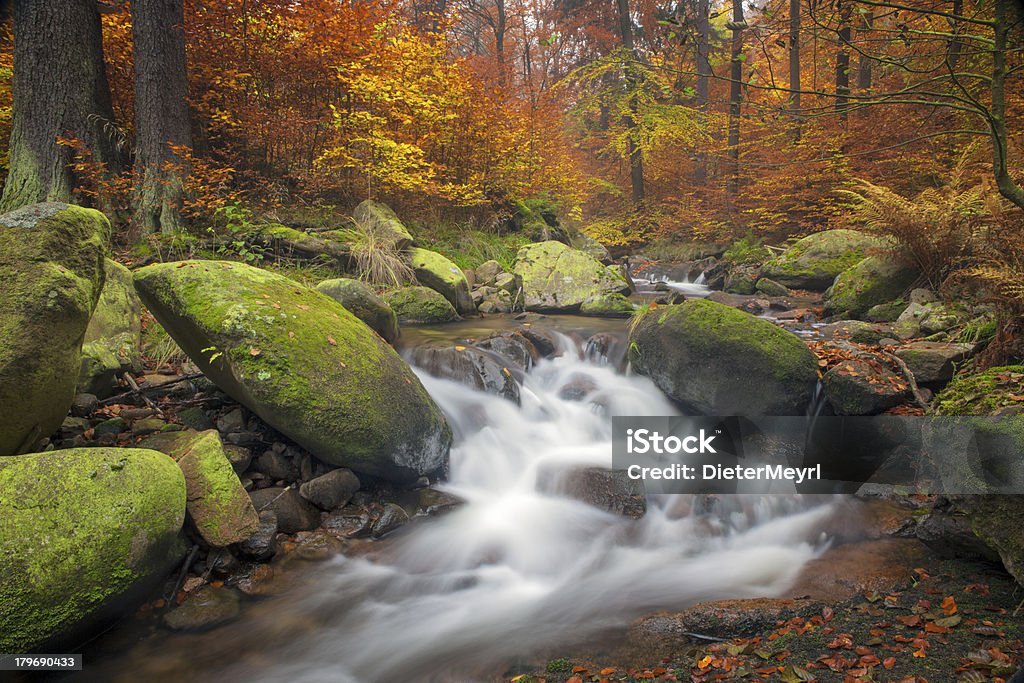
482, 370
208, 607
51, 265
363, 303
83, 533
302, 363
557, 277
717, 360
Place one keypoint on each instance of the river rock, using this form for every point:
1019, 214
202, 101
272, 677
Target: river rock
206, 608
217, 503
873, 281
440, 274
770, 287
608, 306
856, 331
513, 347
933, 362
294, 513
117, 320
378, 220
480, 369
415, 305
331, 490
83, 533
605, 489
391, 517
363, 303
262, 544
815, 261
707, 356
302, 363
51, 265
862, 387
99, 369
887, 312
557, 277
487, 273
590, 246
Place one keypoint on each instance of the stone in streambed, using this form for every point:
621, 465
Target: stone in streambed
51, 265
557, 277
363, 303
294, 513
440, 274
708, 356
873, 281
813, 262
207, 608
303, 363
85, 534
420, 305
331, 490
217, 502
482, 370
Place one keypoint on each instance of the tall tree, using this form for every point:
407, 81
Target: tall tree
700, 170
737, 25
161, 114
794, 59
60, 91
843, 34
635, 153
864, 71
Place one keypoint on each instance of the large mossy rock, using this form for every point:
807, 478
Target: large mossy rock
113, 340
716, 360
815, 261
363, 303
558, 278
218, 504
440, 274
999, 522
420, 305
378, 220
875, 280
302, 363
984, 393
51, 266
83, 533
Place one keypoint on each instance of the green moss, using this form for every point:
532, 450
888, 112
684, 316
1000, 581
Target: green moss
557, 277
78, 528
415, 305
608, 306
815, 260
51, 265
870, 282
363, 302
437, 272
982, 393
300, 361
377, 219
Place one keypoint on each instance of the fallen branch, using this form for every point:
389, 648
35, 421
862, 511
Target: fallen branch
136, 390
909, 376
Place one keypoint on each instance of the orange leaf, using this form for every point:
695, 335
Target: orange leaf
889, 662
331, 341
704, 662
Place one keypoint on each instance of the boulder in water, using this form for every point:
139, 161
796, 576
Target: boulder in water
815, 261
708, 357
440, 274
414, 305
480, 369
84, 533
51, 265
557, 277
302, 363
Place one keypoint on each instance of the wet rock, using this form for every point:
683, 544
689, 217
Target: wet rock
222, 562
434, 502
294, 513
317, 546
391, 517
277, 466
577, 388
513, 347
84, 405
862, 387
881, 566
544, 340
258, 581
472, 366
347, 523
723, 619
363, 303
205, 609
262, 544
331, 490
606, 350
605, 489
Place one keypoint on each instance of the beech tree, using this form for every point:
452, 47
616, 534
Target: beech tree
60, 92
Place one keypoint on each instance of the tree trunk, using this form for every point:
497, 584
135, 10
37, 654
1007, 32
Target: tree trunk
636, 158
161, 115
864, 63
794, 64
735, 96
843, 60
997, 121
700, 170
60, 90
955, 45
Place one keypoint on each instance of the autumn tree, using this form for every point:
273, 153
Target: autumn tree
635, 153
737, 25
60, 92
162, 127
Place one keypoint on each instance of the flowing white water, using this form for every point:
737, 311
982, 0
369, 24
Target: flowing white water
515, 571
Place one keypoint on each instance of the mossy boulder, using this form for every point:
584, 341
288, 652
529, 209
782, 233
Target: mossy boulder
933, 362
770, 287
608, 306
591, 247
51, 266
872, 281
709, 357
85, 534
888, 312
861, 387
437, 272
557, 277
378, 220
363, 303
815, 261
999, 522
218, 504
303, 363
416, 305
117, 320
99, 369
